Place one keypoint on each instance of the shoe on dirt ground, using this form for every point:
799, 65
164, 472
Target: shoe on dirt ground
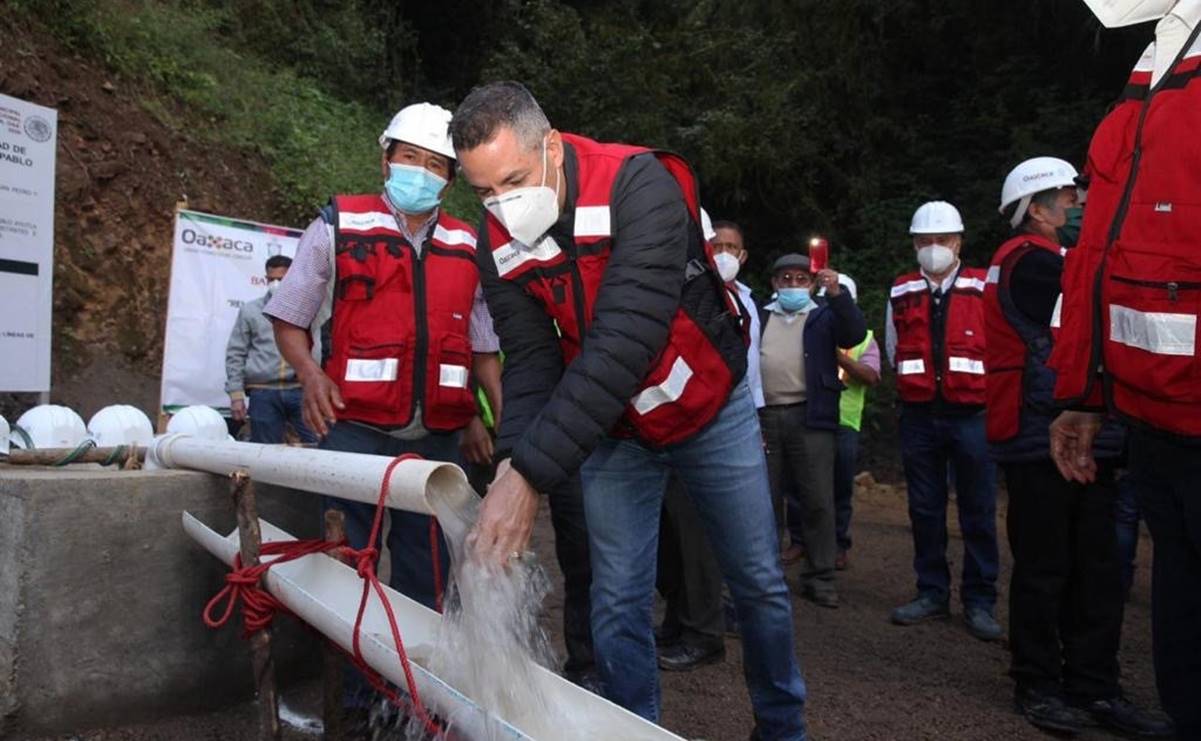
920, 610
792, 554
1119, 714
841, 561
820, 596
1049, 712
981, 624
688, 655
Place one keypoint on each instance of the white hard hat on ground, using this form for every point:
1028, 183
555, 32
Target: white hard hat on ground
1031, 178
53, 426
707, 226
1118, 13
424, 124
4, 432
936, 217
200, 421
120, 424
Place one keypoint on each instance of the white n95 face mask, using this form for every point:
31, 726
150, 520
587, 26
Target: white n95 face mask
272, 285
527, 213
935, 258
1118, 13
727, 266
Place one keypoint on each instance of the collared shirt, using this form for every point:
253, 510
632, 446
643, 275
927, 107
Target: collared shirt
753, 377
890, 329
305, 298
1172, 32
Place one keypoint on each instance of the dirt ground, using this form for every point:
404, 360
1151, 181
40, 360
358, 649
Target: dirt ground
867, 679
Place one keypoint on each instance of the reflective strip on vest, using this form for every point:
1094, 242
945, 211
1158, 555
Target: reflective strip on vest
452, 376
975, 283
512, 255
911, 367
671, 389
965, 365
453, 236
994, 274
366, 221
1154, 331
912, 286
1055, 314
383, 369
592, 221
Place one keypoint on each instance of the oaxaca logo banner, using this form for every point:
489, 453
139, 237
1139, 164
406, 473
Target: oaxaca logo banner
217, 264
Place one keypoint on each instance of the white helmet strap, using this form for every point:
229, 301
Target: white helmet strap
1019, 213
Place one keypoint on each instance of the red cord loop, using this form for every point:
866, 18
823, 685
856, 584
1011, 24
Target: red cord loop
259, 606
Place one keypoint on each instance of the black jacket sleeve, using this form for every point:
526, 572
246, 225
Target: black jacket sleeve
1034, 284
635, 304
533, 362
849, 325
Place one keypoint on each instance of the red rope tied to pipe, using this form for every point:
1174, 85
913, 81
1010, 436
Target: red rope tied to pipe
259, 606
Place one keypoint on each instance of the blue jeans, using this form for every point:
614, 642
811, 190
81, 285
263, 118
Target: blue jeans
409, 532
929, 443
846, 455
724, 471
271, 409
1127, 515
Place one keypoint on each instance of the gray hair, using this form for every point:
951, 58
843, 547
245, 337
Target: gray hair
489, 107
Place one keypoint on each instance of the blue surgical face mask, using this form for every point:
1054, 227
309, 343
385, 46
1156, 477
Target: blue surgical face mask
412, 189
793, 299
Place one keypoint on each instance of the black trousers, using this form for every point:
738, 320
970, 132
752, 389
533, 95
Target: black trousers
688, 576
1169, 480
1065, 599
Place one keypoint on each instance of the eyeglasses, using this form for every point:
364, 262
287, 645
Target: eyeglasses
797, 277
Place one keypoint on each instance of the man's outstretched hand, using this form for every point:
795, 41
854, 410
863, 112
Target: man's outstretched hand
1072, 436
506, 517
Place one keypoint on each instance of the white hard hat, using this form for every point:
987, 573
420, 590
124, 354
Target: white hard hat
936, 217
200, 421
120, 424
707, 226
1117, 13
4, 432
53, 426
1032, 177
423, 124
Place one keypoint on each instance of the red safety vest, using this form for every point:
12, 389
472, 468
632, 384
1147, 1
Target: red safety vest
400, 323
960, 375
1132, 285
1006, 353
690, 380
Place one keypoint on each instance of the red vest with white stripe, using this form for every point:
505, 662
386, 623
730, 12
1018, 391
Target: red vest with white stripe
1008, 351
690, 381
1132, 285
958, 376
400, 323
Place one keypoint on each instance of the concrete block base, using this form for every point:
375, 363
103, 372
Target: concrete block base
101, 595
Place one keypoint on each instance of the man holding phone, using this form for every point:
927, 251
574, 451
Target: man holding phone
799, 360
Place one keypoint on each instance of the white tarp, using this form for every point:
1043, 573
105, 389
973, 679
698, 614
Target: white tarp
27, 147
217, 263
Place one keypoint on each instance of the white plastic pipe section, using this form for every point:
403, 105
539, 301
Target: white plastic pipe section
325, 593
356, 476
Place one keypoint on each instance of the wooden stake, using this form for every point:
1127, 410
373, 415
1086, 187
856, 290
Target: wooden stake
250, 538
334, 663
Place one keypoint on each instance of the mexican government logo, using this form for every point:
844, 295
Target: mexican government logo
38, 128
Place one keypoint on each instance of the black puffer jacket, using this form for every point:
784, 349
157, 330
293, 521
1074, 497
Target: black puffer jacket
553, 417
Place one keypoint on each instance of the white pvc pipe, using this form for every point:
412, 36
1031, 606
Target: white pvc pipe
356, 476
325, 593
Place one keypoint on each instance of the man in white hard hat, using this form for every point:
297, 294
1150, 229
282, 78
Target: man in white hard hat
934, 337
1063, 534
410, 332
1128, 344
